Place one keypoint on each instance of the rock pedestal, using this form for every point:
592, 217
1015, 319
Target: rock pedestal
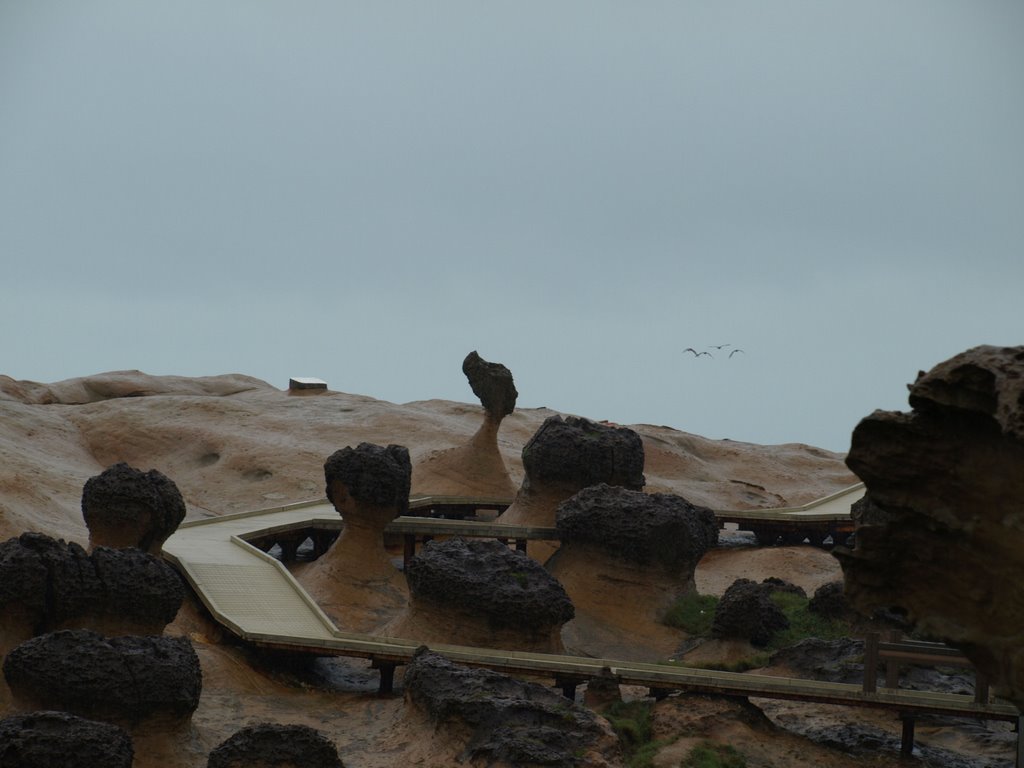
355, 581
947, 483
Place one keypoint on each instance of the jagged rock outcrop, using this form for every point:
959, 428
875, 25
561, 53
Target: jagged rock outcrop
747, 612
62, 740
642, 549
477, 467
123, 680
48, 584
492, 383
355, 581
948, 478
510, 722
567, 455
270, 745
126, 507
480, 592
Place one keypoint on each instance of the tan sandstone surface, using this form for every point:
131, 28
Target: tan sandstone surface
234, 443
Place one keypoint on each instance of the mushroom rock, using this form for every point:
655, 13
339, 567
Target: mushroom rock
477, 467
625, 557
269, 745
125, 507
948, 480
747, 612
355, 581
62, 740
830, 601
501, 721
48, 584
124, 680
482, 593
567, 455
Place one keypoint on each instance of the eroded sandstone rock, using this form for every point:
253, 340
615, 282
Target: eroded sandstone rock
48, 584
62, 740
123, 680
948, 481
747, 612
510, 722
480, 592
270, 745
125, 507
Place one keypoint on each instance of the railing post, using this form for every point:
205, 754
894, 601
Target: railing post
980, 686
892, 667
907, 739
870, 662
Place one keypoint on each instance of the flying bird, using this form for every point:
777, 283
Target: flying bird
717, 346
696, 353
735, 351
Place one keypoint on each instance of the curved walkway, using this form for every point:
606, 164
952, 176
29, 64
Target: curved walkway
255, 596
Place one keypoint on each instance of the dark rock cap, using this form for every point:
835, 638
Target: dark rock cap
372, 474
747, 612
492, 383
829, 601
50, 582
512, 722
269, 745
61, 740
576, 452
124, 679
652, 529
485, 578
122, 495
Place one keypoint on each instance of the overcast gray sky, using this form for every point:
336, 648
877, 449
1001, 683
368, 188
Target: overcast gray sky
365, 192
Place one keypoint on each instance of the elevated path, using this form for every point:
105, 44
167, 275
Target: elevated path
254, 595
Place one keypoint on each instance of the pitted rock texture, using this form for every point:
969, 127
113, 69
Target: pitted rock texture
656, 530
48, 584
119, 679
372, 475
492, 383
512, 723
572, 452
269, 745
484, 578
830, 601
62, 740
948, 481
125, 507
747, 612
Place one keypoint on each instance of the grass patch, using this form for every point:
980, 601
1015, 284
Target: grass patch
631, 721
693, 614
711, 755
803, 623
756, 661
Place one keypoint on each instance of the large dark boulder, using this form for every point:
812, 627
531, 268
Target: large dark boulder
372, 475
492, 383
269, 745
830, 601
126, 507
947, 479
747, 612
510, 722
62, 740
48, 584
120, 679
483, 578
656, 530
574, 453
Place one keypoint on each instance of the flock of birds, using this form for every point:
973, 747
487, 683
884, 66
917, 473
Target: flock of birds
719, 347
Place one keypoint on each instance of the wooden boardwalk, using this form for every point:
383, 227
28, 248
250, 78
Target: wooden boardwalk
255, 596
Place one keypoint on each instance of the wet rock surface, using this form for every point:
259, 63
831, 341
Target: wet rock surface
46, 584
484, 578
126, 507
492, 383
944, 545
269, 745
121, 679
575, 452
62, 740
511, 722
656, 530
747, 612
